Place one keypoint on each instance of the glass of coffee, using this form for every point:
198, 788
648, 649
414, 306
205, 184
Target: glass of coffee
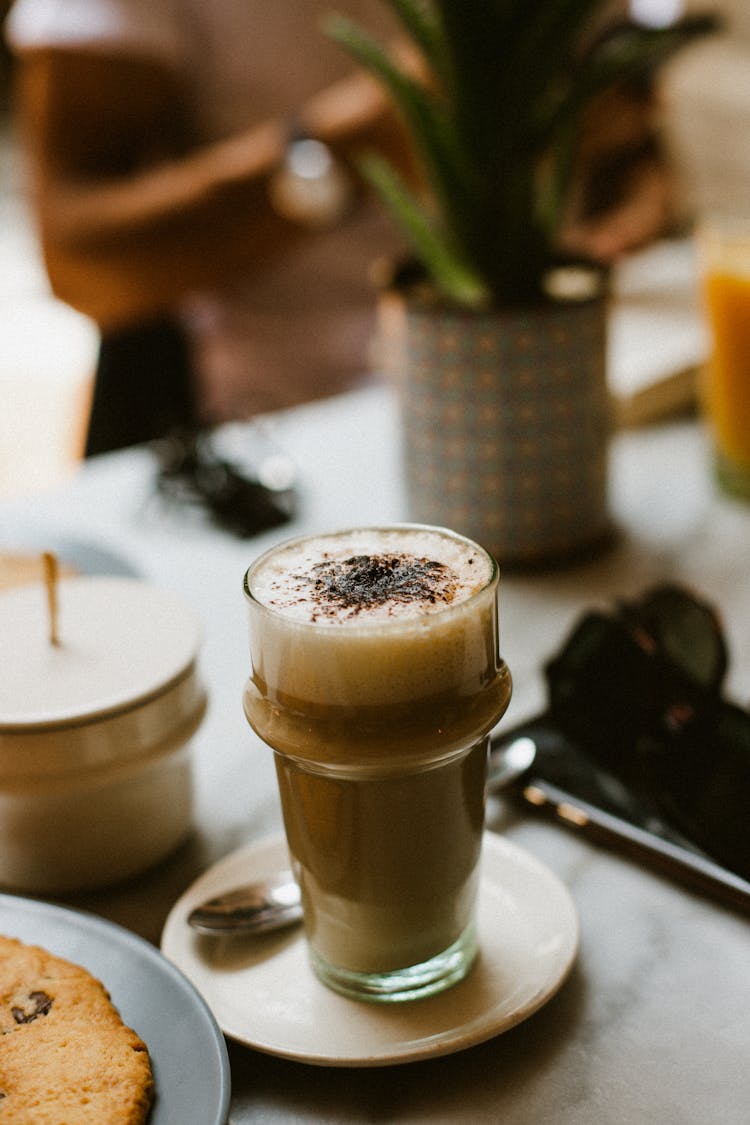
376, 680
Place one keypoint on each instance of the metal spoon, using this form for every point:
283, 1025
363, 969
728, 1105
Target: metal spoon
275, 903
507, 763
257, 908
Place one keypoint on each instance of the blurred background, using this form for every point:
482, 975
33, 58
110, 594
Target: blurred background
48, 352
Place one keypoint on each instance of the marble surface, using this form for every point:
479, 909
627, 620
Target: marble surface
653, 1025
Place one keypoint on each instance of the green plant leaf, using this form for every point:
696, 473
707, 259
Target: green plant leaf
451, 275
627, 48
420, 21
623, 52
497, 129
424, 113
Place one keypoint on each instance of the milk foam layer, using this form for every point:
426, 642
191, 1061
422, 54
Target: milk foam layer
370, 574
401, 677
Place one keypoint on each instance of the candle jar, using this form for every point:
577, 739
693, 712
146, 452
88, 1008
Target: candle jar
95, 732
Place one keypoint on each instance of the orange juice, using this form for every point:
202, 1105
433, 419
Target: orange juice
726, 266
728, 383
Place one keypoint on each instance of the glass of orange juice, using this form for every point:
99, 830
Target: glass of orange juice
724, 251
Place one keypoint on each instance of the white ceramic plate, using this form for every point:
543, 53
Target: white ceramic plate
264, 994
188, 1052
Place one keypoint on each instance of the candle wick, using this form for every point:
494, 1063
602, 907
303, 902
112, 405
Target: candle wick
50, 582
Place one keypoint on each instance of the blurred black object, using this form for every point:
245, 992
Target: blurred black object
638, 695
144, 386
640, 692
193, 473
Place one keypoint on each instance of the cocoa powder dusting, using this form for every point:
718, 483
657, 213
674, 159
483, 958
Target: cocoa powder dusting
363, 581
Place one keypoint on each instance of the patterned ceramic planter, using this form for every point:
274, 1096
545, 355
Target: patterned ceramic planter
506, 423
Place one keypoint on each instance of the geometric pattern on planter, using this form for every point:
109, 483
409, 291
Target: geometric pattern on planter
506, 424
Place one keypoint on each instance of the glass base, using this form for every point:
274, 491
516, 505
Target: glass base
412, 983
734, 479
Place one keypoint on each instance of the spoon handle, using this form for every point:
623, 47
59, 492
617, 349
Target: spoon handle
690, 868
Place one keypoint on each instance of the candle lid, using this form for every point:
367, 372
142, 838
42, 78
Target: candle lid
121, 641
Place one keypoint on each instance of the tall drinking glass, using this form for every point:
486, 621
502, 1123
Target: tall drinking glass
376, 680
724, 244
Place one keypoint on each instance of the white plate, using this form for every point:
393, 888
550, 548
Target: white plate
264, 994
188, 1053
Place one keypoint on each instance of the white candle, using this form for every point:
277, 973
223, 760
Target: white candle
95, 770
47, 362
120, 641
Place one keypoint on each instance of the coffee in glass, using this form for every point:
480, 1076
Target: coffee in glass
376, 680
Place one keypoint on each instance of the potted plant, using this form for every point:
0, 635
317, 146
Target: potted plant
500, 346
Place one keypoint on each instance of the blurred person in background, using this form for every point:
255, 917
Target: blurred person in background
156, 133
158, 139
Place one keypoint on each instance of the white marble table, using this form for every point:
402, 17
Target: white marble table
653, 1025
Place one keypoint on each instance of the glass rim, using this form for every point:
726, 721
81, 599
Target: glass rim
403, 623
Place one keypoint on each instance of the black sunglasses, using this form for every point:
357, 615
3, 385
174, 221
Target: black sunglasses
640, 690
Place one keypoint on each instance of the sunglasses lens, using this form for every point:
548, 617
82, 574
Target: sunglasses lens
602, 687
706, 791
686, 630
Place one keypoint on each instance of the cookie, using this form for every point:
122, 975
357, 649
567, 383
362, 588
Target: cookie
65, 1053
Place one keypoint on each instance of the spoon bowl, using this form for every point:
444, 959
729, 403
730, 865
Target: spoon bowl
258, 908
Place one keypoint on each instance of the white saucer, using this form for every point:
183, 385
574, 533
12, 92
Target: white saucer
264, 994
